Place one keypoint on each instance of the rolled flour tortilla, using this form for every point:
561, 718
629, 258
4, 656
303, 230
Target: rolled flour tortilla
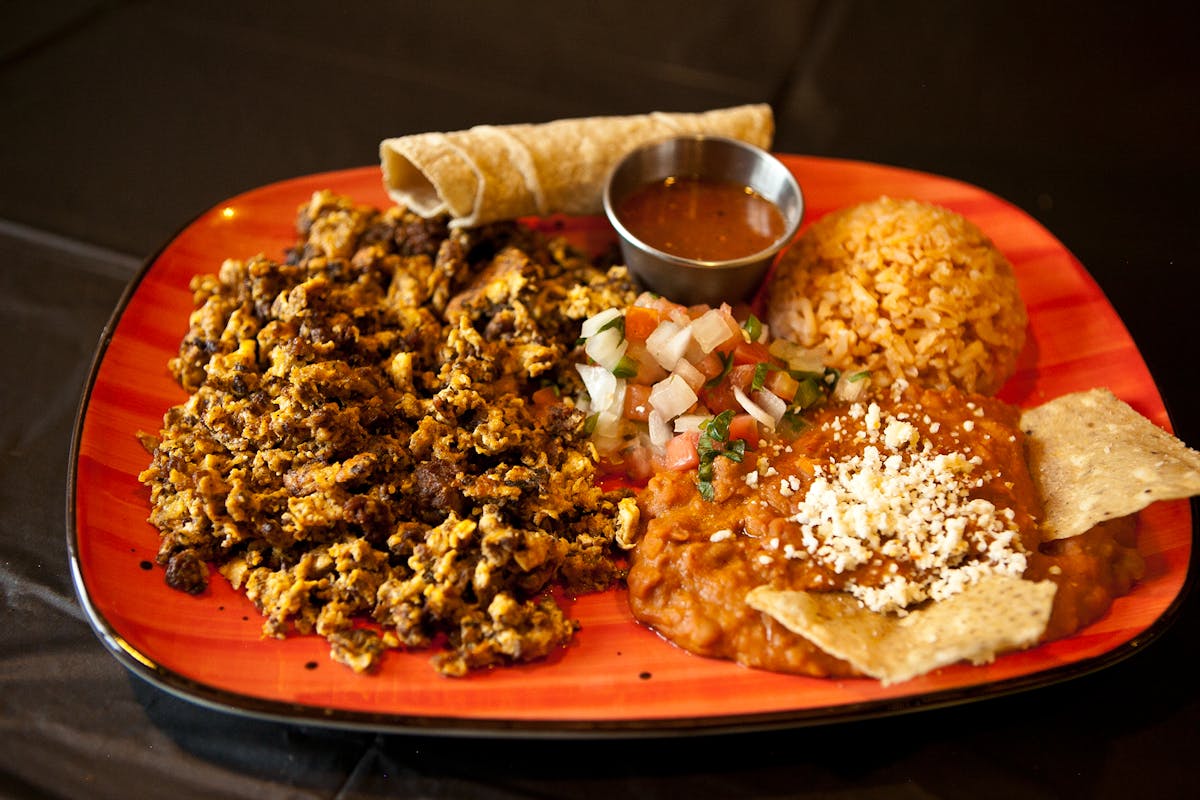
492, 172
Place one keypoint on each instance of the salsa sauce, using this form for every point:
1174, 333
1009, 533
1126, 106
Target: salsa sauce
702, 219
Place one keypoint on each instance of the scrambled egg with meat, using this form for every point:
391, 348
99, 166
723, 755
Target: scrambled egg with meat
361, 452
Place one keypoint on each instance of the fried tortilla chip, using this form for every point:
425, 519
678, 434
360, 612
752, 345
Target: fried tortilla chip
997, 613
1094, 458
491, 173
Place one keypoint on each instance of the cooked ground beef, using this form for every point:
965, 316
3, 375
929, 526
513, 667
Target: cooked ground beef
360, 443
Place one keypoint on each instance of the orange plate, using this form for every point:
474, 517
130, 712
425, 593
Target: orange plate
617, 677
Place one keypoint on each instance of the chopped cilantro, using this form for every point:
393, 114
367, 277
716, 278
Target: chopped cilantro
809, 393
616, 322
792, 424
814, 386
753, 328
760, 376
625, 368
713, 442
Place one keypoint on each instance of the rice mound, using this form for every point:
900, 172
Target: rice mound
905, 289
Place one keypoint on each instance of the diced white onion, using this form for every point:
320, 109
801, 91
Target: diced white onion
601, 385
686, 423
606, 348
608, 425
646, 300
668, 342
770, 403
753, 409
691, 376
594, 323
848, 390
710, 330
607, 434
660, 430
671, 396
680, 315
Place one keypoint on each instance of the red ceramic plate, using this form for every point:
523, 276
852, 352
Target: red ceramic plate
617, 677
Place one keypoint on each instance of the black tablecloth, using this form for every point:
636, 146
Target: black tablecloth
121, 121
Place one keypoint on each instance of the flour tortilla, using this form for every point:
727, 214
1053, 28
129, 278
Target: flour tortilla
995, 614
490, 173
1094, 458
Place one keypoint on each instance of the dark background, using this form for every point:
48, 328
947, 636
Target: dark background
121, 121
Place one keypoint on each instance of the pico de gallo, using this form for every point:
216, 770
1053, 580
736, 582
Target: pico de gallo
672, 387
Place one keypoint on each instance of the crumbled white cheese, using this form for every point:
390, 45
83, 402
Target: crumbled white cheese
872, 419
721, 536
901, 499
900, 434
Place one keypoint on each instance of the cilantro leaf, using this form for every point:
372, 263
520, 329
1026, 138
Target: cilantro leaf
625, 368
713, 442
753, 327
760, 376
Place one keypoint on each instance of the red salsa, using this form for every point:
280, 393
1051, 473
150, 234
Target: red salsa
701, 219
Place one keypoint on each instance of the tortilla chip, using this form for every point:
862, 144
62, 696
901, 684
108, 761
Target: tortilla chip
491, 173
1094, 458
996, 613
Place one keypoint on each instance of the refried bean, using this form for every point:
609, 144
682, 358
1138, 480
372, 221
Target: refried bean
696, 559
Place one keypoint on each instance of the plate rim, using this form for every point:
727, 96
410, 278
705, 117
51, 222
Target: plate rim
237, 703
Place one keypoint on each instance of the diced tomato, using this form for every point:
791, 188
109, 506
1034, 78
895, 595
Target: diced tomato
640, 322
710, 366
781, 384
637, 401
742, 375
682, 453
735, 332
745, 427
739, 310
720, 397
751, 353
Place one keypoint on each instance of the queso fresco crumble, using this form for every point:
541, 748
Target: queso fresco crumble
902, 499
